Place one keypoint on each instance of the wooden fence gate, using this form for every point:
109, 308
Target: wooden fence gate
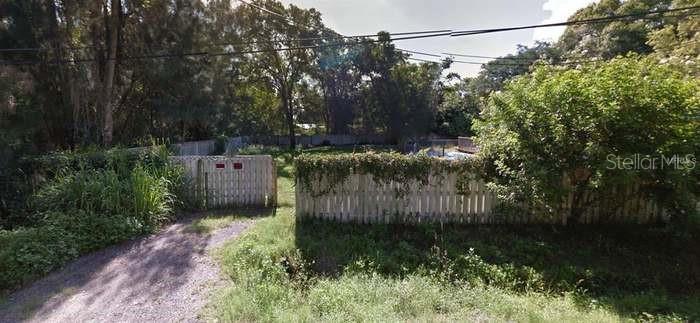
220, 182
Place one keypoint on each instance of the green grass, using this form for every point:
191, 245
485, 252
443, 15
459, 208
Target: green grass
322, 271
214, 220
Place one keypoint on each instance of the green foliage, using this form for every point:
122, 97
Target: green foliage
562, 125
90, 200
677, 40
496, 73
219, 145
151, 197
30, 252
400, 98
259, 150
458, 108
615, 38
334, 169
285, 270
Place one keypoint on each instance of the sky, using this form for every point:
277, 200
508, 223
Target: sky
353, 17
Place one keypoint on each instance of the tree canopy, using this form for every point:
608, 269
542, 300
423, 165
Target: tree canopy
120, 72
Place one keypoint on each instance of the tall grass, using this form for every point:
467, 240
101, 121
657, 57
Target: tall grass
92, 201
152, 201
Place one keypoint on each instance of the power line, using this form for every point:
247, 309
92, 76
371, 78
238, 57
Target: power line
467, 62
523, 61
426, 34
419, 53
267, 10
421, 60
461, 55
416, 36
87, 60
479, 56
573, 22
442, 32
234, 53
565, 23
431, 33
359, 42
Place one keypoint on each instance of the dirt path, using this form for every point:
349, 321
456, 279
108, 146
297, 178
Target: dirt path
166, 277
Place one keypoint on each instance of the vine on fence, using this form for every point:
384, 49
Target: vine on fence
330, 171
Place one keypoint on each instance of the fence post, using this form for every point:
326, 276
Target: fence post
274, 182
200, 186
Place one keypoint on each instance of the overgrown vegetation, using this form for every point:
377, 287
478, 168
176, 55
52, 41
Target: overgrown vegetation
123, 71
330, 170
88, 200
284, 270
602, 127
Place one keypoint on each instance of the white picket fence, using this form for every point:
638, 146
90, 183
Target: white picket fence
219, 182
362, 200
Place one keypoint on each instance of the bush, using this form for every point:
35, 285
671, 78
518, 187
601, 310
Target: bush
220, 145
570, 125
26, 253
89, 231
258, 150
93, 200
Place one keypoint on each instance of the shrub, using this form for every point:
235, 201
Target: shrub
89, 231
220, 145
26, 253
258, 150
92, 201
570, 125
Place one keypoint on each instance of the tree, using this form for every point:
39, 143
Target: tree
570, 125
497, 72
38, 24
283, 70
679, 40
113, 23
607, 40
340, 85
120, 72
457, 109
399, 98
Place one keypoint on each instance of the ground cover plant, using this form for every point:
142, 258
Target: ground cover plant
323, 271
87, 200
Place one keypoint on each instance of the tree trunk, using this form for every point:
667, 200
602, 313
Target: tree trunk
73, 88
111, 62
75, 102
64, 72
327, 111
288, 109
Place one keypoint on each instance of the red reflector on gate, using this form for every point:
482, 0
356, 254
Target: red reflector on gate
220, 165
237, 165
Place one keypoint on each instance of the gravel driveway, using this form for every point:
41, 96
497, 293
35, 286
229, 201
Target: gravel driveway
166, 277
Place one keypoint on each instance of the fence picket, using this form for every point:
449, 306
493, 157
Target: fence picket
362, 200
218, 187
